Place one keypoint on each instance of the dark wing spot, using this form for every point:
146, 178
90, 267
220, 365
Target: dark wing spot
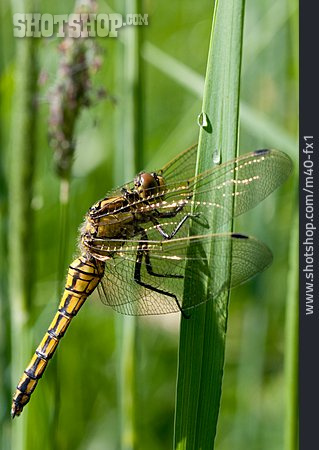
263, 151
239, 236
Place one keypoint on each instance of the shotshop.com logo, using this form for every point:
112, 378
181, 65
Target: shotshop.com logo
73, 25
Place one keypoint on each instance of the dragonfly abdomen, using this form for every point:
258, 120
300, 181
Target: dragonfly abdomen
83, 277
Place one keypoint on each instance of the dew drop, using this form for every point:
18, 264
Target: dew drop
216, 156
202, 120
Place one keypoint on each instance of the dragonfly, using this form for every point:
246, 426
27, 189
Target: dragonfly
136, 244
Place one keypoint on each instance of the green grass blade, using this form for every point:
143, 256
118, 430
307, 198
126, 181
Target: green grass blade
20, 245
174, 69
202, 339
5, 351
127, 161
277, 13
291, 346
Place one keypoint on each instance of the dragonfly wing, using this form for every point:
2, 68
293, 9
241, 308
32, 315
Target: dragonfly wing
199, 257
119, 290
233, 187
182, 167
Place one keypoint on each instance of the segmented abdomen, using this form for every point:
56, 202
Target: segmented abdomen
83, 277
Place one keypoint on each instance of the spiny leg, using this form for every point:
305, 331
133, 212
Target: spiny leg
178, 227
170, 214
148, 263
137, 276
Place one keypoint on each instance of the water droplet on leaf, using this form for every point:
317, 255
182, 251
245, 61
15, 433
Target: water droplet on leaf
216, 156
202, 120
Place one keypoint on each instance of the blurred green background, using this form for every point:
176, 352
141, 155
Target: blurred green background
260, 344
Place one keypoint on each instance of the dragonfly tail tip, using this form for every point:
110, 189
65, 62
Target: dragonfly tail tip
15, 411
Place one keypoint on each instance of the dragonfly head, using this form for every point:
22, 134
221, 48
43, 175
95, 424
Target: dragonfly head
149, 184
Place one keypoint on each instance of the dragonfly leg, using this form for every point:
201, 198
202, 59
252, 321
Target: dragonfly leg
169, 214
137, 276
178, 227
148, 264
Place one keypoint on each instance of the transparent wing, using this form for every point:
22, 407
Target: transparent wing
247, 180
209, 255
181, 167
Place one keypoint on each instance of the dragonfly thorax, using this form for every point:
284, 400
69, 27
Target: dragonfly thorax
113, 220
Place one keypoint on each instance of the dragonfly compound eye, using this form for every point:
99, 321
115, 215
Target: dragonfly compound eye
146, 184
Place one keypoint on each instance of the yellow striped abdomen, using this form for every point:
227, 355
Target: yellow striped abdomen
83, 277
